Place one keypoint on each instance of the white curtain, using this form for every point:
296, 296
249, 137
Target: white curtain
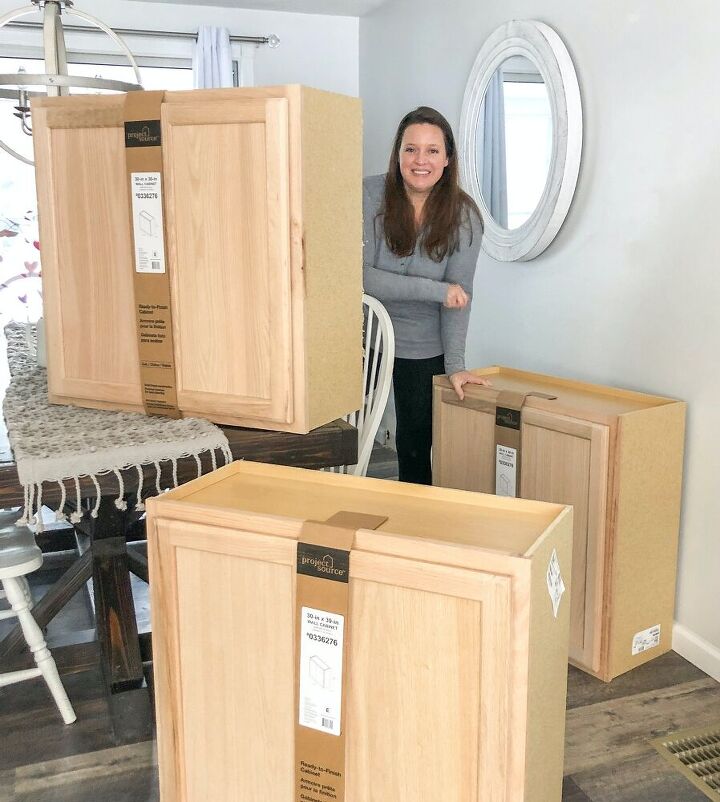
491, 159
212, 59
246, 65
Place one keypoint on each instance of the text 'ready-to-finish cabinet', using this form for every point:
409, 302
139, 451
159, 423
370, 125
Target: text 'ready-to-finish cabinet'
458, 627
616, 456
263, 217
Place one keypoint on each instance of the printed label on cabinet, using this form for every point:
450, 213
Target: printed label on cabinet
505, 471
647, 639
321, 664
146, 189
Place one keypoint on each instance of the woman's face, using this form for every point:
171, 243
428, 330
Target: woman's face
422, 157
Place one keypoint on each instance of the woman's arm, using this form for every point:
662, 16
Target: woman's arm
384, 284
454, 322
387, 286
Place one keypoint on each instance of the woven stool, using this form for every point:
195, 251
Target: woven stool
19, 556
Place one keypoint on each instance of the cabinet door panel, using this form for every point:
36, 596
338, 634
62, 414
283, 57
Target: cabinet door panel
464, 445
236, 651
86, 255
565, 461
430, 651
388, 679
227, 201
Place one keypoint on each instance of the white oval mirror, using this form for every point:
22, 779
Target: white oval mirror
521, 138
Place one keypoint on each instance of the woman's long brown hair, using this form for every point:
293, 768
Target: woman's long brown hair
446, 209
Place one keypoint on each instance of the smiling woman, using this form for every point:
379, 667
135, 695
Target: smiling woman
421, 243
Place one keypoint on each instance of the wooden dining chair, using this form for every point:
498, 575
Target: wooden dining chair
378, 359
20, 556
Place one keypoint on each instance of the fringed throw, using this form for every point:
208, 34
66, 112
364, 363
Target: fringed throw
54, 443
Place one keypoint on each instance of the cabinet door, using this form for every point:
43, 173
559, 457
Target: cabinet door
86, 252
430, 650
463, 442
227, 179
565, 460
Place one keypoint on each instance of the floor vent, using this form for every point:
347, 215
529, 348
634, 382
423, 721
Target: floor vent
696, 754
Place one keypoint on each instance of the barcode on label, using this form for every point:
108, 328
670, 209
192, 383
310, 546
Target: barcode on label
327, 722
155, 265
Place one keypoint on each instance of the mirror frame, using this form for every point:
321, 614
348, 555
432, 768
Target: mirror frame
543, 46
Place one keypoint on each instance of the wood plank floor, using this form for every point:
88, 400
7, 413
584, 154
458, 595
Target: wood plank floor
108, 755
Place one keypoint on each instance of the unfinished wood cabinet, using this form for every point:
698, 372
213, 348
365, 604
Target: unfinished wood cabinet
457, 662
262, 205
616, 457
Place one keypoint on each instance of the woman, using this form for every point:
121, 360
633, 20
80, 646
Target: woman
421, 244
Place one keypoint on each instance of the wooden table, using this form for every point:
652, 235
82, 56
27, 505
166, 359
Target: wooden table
107, 560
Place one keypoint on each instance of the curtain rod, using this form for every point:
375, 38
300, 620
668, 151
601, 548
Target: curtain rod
271, 40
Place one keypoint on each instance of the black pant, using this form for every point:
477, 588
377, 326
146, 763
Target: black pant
412, 383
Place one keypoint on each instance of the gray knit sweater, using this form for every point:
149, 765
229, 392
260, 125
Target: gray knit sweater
413, 288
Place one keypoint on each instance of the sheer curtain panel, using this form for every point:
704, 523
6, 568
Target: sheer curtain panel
212, 60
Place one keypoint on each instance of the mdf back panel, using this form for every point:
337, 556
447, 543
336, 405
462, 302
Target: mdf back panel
86, 254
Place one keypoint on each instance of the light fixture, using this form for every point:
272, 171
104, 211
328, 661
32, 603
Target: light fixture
55, 79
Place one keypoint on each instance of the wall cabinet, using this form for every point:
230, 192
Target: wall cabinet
262, 205
457, 664
616, 457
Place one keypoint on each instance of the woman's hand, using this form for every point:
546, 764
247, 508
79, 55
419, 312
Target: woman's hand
465, 377
456, 297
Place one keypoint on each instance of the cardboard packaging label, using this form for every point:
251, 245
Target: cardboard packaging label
507, 409
143, 158
322, 614
508, 440
508, 419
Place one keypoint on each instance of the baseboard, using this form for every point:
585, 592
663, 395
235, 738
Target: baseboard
697, 650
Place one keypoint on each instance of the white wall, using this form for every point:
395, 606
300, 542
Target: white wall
628, 293
316, 50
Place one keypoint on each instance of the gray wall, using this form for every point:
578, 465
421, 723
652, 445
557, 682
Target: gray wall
628, 292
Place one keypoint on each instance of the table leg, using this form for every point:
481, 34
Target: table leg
114, 607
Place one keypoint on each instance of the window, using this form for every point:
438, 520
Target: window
20, 285
528, 142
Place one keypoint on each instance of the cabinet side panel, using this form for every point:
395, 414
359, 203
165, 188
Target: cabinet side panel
463, 446
332, 244
644, 549
547, 669
235, 639
414, 701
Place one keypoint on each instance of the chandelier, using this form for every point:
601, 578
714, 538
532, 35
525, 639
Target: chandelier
55, 79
